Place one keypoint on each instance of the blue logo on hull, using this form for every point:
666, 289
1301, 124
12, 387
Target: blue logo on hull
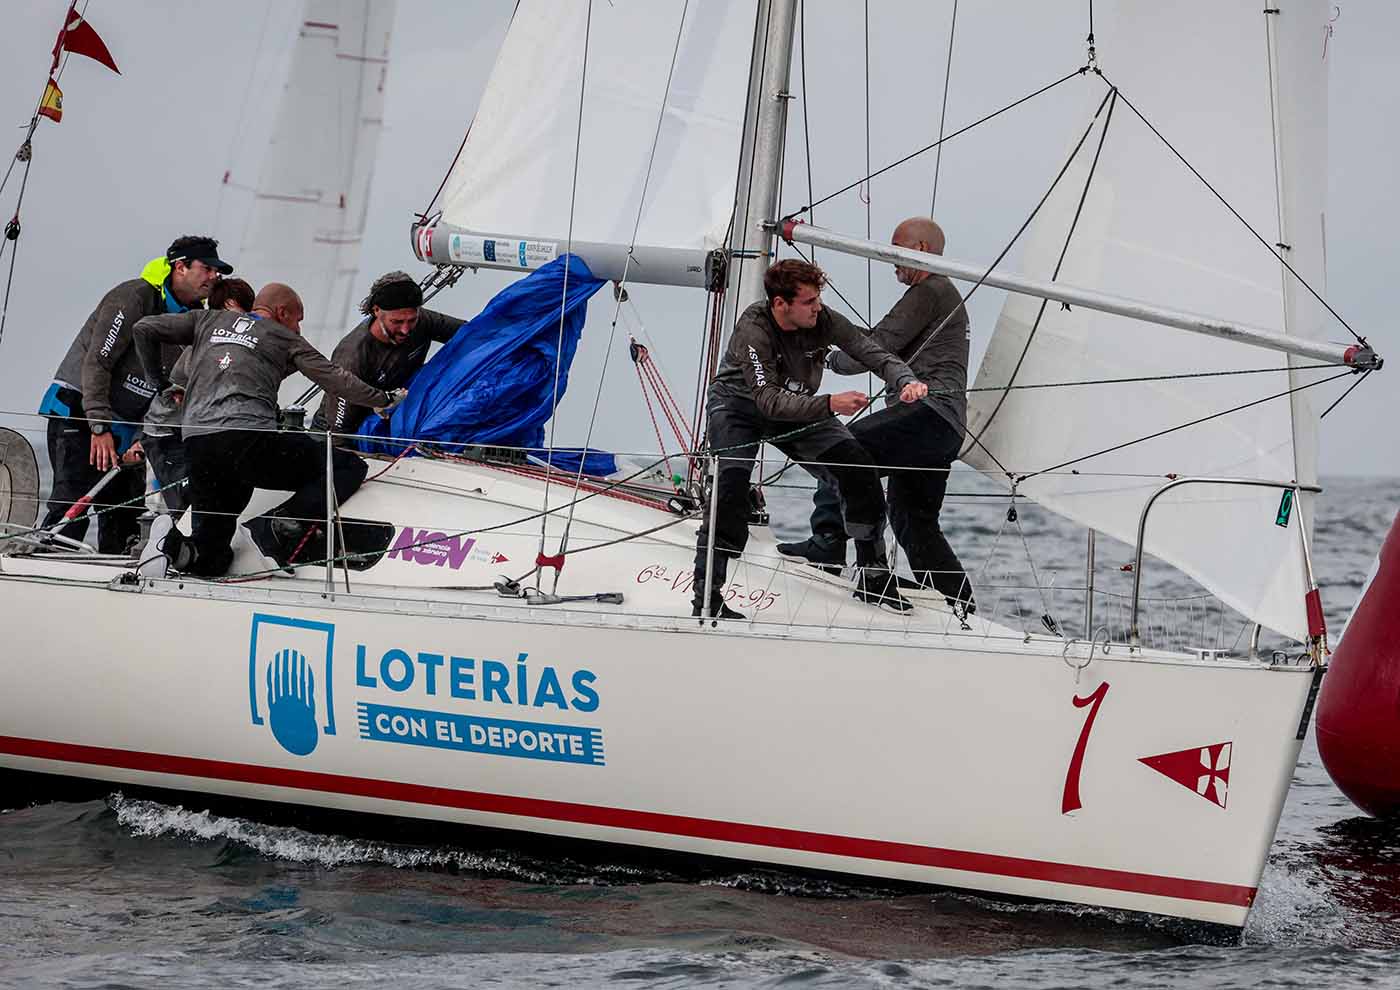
283, 657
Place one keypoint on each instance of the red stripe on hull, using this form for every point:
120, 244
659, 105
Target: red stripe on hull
647, 821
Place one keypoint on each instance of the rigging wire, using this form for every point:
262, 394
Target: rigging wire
1138, 379
806, 127
564, 292
1093, 55
1074, 153
943, 114
25, 153
1194, 422
869, 264
621, 293
1273, 250
1364, 375
1059, 264
929, 147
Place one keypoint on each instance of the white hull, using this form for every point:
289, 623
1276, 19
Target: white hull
896, 747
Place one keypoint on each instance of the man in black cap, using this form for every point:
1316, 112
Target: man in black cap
100, 392
386, 349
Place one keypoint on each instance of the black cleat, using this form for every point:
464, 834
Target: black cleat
822, 555
877, 587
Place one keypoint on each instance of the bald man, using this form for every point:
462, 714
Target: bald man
237, 362
928, 330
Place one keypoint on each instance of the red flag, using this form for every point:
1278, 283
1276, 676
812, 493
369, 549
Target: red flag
78, 37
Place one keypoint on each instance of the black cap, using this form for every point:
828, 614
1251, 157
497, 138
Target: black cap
204, 249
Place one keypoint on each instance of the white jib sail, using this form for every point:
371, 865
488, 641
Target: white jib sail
1151, 230
308, 211
516, 172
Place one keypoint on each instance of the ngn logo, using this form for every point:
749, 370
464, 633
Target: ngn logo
287, 660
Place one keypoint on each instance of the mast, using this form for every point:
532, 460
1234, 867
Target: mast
760, 156
1353, 355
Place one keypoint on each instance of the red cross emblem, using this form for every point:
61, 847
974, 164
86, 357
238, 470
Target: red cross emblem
1203, 769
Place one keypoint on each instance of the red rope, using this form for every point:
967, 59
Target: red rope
527, 471
670, 408
646, 396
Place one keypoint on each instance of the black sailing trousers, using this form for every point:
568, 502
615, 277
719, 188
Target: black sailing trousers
226, 466
70, 450
825, 449
908, 436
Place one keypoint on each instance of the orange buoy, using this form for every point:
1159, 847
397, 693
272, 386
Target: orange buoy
1358, 711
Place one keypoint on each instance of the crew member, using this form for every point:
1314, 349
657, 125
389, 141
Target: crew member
236, 365
766, 389
100, 394
164, 449
928, 329
386, 349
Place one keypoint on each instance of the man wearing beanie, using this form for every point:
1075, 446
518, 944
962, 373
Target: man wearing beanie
386, 349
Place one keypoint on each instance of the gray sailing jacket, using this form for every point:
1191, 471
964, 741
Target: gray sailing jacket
237, 363
167, 410
388, 366
939, 359
781, 370
101, 364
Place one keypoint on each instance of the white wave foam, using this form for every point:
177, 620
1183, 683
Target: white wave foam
1293, 909
152, 819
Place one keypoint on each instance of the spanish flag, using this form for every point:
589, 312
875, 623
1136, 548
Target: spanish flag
51, 106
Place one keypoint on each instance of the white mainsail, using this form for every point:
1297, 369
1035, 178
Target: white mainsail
1151, 230
308, 211
516, 173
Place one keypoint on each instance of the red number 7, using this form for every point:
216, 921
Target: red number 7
1071, 800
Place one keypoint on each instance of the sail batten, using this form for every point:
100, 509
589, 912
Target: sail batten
1151, 230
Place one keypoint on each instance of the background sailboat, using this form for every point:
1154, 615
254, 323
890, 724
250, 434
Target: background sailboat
303, 222
306, 220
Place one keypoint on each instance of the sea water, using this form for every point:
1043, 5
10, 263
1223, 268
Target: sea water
126, 892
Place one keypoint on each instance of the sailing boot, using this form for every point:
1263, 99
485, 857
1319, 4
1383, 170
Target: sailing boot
269, 535
718, 608
177, 548
876, 584
820, 554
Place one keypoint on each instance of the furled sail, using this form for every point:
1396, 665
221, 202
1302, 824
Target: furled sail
1242, 95
496, 380
511, 196
308, 211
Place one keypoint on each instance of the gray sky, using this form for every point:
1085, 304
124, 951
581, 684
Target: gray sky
138, 159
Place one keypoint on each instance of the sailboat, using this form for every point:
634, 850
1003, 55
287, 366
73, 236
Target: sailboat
517, 651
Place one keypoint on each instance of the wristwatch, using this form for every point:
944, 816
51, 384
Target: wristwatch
97, 428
